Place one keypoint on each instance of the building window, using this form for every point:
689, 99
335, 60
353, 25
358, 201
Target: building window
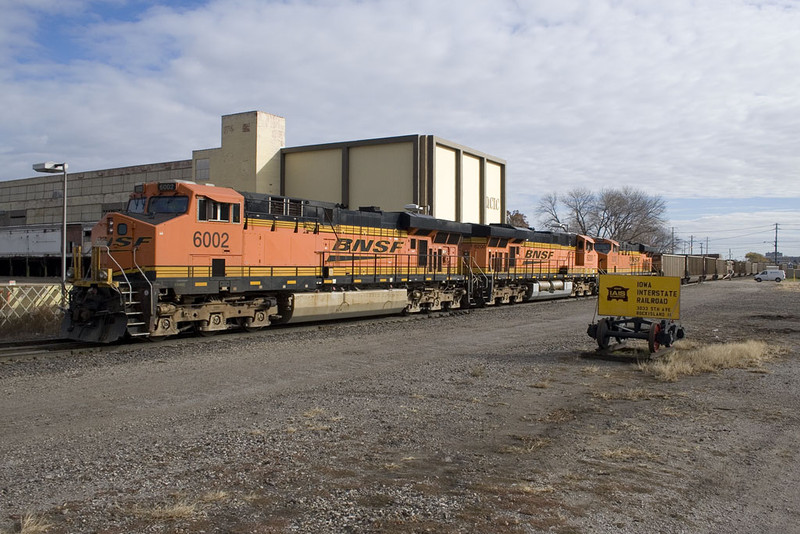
202, 170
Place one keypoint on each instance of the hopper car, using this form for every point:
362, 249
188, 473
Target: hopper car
190, 257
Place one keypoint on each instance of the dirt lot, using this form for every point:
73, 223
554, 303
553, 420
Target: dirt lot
491, 421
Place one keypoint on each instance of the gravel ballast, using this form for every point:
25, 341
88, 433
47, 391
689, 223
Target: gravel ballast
489, 421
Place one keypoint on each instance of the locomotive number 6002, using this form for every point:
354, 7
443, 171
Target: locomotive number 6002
210, 239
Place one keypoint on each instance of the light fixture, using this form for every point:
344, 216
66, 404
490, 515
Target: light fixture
54, 168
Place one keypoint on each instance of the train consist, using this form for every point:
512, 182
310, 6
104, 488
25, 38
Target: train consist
189, 257
690, 268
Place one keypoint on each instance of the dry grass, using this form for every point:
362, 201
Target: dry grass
528, 444
559, 416
477, 371
314, 412
530, 489
691, 359
215, 496
173, 512
628, 453
633, 394
789, 285
30, 524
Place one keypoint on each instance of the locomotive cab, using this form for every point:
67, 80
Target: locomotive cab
168, 229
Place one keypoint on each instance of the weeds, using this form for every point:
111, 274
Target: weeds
628, 453
477, 371
30, 524
693, 360
527, 445
181, 510
633, 394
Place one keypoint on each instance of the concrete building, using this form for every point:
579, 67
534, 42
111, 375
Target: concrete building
442, 178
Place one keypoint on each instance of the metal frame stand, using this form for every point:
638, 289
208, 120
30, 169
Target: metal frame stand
658, 333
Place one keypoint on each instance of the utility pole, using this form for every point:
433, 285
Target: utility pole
672, 243
707, 252
776, 244
691, 244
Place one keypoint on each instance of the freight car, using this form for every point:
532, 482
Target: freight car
686, 267
189, 257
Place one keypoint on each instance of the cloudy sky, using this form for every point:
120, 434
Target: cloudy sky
697, 101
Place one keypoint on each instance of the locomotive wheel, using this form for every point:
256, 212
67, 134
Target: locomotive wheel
602, 335
652, 337
246, 328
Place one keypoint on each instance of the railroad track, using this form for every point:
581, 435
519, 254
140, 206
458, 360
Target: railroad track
20, 351
15, 351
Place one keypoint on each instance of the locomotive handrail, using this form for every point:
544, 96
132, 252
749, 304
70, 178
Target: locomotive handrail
143, 276
122, 271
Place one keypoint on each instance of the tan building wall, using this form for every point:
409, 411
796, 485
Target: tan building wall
382, 175
446, 180
316, 175
38, 200
249, 156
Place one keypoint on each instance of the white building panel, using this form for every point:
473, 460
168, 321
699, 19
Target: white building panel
471, 189
492, 207
444, 184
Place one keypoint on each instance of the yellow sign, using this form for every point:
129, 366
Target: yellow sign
653, 297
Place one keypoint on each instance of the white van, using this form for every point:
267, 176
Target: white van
771, 274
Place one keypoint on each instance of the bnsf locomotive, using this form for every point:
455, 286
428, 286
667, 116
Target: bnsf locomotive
189, 257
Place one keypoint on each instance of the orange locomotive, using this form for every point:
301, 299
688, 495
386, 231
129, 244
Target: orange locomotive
189, 257
623, 258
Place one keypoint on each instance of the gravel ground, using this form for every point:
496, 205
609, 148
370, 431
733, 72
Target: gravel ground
488, 421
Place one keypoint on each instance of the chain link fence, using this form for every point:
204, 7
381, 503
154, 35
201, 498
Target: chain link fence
29, 310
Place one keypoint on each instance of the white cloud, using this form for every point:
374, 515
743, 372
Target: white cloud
681, 98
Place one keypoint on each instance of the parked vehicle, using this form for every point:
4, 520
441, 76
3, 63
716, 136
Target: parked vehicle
771, 274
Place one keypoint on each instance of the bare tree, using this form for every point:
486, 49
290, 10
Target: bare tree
626, 214
581, 213
547, 209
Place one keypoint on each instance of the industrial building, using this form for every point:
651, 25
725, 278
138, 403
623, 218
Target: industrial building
421, 172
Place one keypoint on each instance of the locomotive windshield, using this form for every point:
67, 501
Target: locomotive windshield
136, 205
168, 204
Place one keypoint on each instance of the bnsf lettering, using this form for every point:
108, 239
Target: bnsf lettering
122, 242
539, 254
345, 244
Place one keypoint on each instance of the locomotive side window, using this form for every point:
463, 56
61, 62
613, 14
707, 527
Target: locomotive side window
211, 210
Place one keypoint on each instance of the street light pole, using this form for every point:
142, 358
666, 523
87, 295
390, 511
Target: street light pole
52, 168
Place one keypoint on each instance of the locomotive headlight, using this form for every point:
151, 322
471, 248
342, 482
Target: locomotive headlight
110, 225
